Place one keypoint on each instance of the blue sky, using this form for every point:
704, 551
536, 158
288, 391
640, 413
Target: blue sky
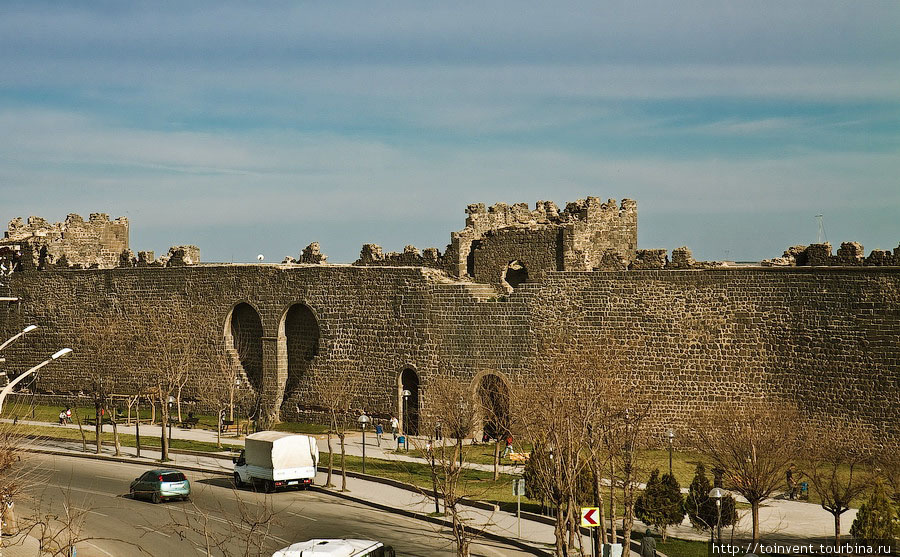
258, 128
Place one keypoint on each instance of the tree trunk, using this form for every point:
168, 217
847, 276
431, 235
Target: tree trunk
116, 444
164, 439
754, 510
598, 502
560, 531
612, 500
178, 402
496, 460
231, 403
81, 430
330, 462
837, 529
137, 426
219, 428
98, 427
341, 436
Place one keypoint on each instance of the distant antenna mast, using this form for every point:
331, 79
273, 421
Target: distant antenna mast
821, 237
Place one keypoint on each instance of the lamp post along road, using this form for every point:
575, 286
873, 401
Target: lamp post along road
717, 494
8, 389
363, 420
406, 395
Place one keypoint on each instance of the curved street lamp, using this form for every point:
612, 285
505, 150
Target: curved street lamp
717, 494
363, 420
406, 394
13, 338
8, 389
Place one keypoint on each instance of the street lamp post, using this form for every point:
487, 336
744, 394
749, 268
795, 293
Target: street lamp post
165, 446
8, 389
16, 336
406, 395
717, 494
363, 420
671, 435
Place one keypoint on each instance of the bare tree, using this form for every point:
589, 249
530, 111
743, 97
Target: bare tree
455, 405
838, 458
337, 394
246, 535
558, 414
753, 444
169, 333
102, 339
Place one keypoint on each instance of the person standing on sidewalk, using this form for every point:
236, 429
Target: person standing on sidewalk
379, 431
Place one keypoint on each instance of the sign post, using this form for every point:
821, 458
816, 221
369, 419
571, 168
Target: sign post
519, 491
589, 519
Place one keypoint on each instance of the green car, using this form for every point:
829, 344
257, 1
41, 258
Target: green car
160, 485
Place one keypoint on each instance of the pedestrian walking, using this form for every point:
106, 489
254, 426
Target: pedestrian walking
379, 431
648, 544
395, 427
68, 414
508, 449
62, 417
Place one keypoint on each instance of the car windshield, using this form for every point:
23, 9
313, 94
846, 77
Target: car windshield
173, 477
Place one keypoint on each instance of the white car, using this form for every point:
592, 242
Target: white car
336, 548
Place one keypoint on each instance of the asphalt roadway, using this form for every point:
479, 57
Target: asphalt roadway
112, 524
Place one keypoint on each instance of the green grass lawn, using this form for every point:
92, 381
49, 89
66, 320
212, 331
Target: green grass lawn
106, 437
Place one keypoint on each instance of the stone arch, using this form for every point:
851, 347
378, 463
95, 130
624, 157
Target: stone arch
408, 380
515, 274
492, 398
243, 339
299, 327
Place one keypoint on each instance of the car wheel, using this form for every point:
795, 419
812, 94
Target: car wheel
156, 498
237, 480
269, 486
186, 498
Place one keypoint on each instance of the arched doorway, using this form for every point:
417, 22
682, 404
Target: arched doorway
515, 274
493, 394
243, 335
301, 332
409, 408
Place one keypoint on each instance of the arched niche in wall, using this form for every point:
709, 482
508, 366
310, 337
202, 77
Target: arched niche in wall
302, 338
408, 380
243, 338
492, 395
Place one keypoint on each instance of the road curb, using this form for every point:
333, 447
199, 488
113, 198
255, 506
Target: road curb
434, 520
410, 514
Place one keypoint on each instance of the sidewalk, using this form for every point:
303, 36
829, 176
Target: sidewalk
788, 519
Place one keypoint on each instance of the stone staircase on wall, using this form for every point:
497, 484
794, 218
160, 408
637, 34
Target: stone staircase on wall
481, 292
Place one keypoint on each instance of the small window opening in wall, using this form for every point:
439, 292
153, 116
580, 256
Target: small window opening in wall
515, 274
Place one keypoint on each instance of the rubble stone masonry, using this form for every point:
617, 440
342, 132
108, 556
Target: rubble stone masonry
828, 339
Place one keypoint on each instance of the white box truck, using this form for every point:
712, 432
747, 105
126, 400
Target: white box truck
275, 460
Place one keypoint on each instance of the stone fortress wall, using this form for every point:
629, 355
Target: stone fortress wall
690, 333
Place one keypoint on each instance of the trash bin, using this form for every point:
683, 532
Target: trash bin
401, 440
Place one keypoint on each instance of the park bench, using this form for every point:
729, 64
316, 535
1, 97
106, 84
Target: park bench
190, 422
229, 425
519, 458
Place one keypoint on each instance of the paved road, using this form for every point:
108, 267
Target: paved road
119, 526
